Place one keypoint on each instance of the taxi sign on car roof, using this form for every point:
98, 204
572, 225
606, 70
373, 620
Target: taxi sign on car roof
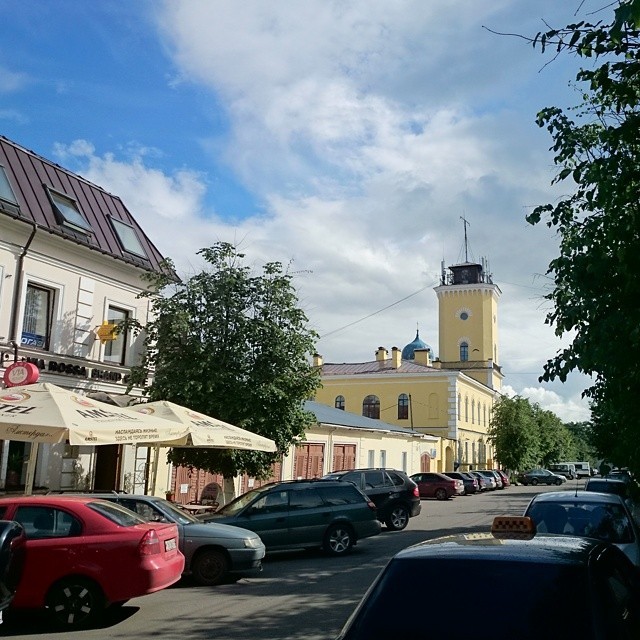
518, 527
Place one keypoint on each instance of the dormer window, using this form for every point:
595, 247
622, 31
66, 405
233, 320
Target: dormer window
7, 197
128, 238
68, 212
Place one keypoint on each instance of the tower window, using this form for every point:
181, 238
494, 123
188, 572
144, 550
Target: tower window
371, 407
403, 406
339, 402
464, 352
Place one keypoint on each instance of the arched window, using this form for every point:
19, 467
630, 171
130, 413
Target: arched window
339, 404
484, 414
459, 407
466, 409
473, 411
464, 351
403, 406
371, 407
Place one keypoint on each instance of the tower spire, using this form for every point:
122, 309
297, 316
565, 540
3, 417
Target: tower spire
466, 223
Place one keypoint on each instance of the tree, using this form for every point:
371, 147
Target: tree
596, 287
513, 433
235, 346
555, 441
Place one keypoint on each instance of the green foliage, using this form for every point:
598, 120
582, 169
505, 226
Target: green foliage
525, 436
235, 346
596, 285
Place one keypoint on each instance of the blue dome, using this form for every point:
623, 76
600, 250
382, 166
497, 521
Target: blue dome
408, 351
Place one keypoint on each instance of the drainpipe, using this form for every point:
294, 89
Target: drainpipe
13, 330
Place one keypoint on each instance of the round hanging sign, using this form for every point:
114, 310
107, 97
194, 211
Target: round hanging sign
20, 373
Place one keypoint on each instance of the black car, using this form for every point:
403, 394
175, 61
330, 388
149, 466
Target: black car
12, 550
608, 485
303, 514
395, 495
471, 484
555, 587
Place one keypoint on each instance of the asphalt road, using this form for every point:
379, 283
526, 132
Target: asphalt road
298, 595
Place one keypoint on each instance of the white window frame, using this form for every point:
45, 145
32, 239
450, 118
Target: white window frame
131, 311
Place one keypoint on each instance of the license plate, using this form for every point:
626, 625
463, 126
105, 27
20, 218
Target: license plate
170, 545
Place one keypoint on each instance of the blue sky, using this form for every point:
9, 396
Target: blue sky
347, 138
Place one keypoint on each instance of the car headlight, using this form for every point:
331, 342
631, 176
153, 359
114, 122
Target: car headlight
252, 543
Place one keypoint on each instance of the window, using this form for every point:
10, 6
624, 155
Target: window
68, 213
38, 317
128, 238
339, 402
371, 407
403, 406
6, 192
383, 458
464, 352
466, 409
404, 461
459, 407
305, 499
371, 458
473, 411
115, 350
47, 522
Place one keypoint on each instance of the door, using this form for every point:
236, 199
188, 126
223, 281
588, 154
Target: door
309, 517
268, 516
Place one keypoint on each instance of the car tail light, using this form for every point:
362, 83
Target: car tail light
150, 544
416, 492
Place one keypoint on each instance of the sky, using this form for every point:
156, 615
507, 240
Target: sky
345, 139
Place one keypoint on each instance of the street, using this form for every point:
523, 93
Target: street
298, 594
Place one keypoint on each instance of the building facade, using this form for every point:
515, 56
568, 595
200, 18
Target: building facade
450, 396
72, 263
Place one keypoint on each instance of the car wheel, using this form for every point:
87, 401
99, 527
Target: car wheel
210, 567
558, 481
534, 481
338, 539
75, 602
441, 494
398, 518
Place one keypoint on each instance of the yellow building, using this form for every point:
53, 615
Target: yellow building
450, 396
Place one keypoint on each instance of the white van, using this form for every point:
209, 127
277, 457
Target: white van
583, 469
566, 469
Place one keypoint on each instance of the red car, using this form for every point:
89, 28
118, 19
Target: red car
437, 485
505, 478
83, 554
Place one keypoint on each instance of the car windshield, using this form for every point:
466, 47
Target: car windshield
237, 505
549, 592
114, 512
177, 514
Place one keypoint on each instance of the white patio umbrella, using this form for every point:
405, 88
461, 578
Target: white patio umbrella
44, 412
204, 431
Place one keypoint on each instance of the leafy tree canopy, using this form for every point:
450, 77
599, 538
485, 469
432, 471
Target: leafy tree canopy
233, 345
596, 289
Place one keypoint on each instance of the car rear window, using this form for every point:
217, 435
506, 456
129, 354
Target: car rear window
340, 495
554, 605
117, 514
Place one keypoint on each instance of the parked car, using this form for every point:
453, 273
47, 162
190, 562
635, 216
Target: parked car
490, 473
471, 483
485, 483
438, 485
82, 554
505, 478
304, 514
395, 495
564, 469
561, 587
541, 476
12, 555
607, 485
212, 551
586, 513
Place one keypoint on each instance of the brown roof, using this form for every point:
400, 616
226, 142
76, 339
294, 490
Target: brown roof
384, 367
31, 176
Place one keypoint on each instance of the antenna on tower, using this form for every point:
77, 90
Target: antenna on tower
466, 223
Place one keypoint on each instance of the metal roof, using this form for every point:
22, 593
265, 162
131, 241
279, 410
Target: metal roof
337, 417
34, 179
384, 367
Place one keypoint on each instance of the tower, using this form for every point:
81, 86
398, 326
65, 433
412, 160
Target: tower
468, 321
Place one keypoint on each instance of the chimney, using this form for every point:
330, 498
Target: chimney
317, 360
381, 354
422, 356
396, 357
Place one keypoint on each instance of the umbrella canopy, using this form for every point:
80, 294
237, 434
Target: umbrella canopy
44, 412
204, 431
